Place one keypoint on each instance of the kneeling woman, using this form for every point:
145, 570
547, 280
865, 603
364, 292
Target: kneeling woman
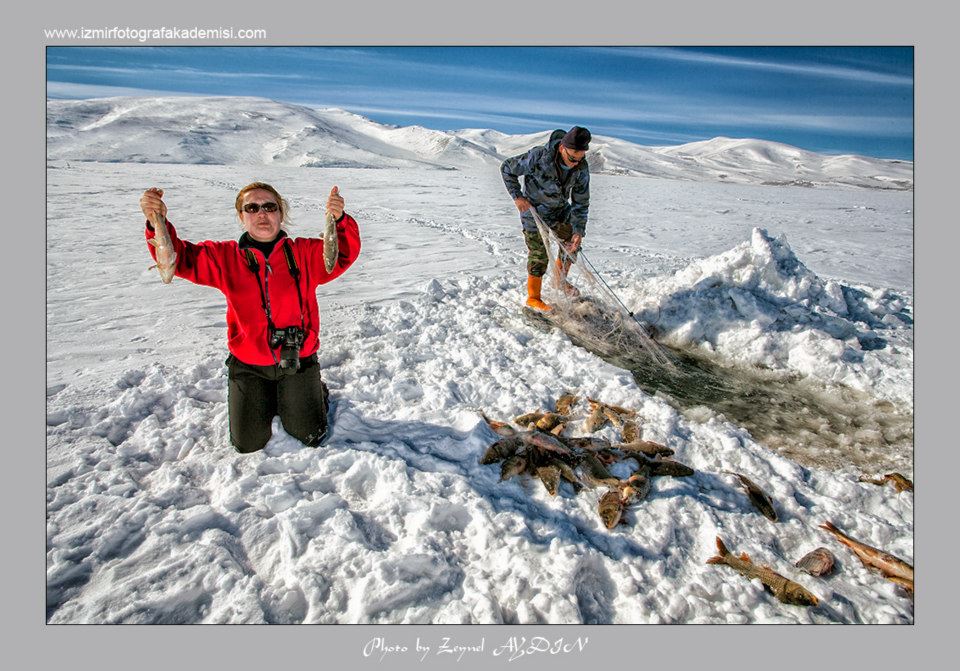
273, 321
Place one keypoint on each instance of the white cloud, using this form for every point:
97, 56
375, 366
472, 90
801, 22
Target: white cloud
825, 71
153, 71
70, 90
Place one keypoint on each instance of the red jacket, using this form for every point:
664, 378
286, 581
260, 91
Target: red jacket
224, 265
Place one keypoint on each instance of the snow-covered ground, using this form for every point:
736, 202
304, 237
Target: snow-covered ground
152, 517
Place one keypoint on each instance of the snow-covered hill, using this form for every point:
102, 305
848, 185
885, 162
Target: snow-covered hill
253, 131
247, 131
747, 160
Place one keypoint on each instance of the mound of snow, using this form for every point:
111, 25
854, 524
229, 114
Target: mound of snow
758, 304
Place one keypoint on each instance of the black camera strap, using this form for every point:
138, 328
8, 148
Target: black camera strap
295, 273
254, 266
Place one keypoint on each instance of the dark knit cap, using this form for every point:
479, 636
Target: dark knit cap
577, 139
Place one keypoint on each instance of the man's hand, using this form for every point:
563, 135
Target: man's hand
574, 244
522, 204
152, 201
335, 203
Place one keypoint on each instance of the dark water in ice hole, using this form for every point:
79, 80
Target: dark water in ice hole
809, 422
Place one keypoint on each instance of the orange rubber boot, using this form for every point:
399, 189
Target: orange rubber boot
566, 287
533, 294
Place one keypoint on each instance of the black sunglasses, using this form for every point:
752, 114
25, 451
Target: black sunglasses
253, 208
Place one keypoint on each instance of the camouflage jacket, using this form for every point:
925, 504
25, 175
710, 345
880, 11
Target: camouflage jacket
559, 195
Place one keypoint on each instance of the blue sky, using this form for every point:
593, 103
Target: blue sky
827, 99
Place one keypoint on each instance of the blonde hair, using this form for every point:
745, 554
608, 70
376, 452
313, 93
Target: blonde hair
281, 202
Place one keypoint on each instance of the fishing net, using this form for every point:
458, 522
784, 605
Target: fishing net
597, 317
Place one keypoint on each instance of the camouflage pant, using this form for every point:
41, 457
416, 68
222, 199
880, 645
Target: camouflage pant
537, 258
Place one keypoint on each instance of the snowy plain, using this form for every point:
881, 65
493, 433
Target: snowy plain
152, 517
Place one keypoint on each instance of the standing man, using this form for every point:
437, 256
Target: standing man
556, 181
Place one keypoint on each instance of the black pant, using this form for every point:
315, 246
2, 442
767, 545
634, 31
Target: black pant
256, 394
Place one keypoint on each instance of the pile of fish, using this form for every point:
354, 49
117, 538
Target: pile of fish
540, 449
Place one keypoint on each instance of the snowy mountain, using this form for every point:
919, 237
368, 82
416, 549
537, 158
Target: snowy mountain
224, 131
253, 131
778, 163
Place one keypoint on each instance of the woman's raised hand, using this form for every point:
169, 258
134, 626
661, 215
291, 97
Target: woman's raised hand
152, 201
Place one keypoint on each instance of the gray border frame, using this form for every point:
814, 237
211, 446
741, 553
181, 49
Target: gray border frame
494, 22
